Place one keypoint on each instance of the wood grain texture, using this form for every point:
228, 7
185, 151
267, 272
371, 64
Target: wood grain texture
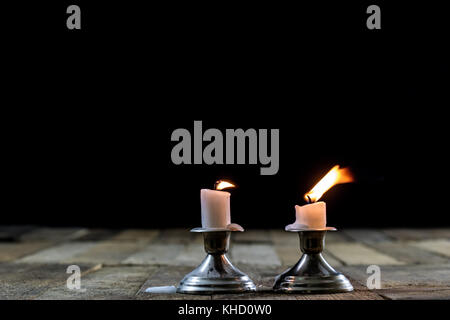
406, 275
367, 236
156, 254
107, 252
63, 253
258, 254
135, 235
409, 254
252, 236
121, 264
122, 282
29, 281
10, 251
357, 253
354, 295
191, 254
167, 276
439, 246
415, 293
418, 234
54, 234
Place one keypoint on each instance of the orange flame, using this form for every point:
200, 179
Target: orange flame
221, 184
335, 176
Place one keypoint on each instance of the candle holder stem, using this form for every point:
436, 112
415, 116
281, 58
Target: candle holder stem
216, 274
312, 273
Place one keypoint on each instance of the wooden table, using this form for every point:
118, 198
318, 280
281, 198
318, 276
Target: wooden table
120, 264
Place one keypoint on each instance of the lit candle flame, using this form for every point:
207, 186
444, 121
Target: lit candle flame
335, 176
221, 184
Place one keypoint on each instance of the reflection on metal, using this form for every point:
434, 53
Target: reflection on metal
216, 274
312, 273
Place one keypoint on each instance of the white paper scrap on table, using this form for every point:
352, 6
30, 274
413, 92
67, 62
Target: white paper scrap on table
163, 289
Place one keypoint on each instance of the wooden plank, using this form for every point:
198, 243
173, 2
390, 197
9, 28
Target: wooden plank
438, 246
283, 238
98, 235
119, 282
336, 237
32, 269
174, 236
191, 255
356, 253
258, 254
415, 293
28, 281
404, 234
261, 294
407, 275
54, 234
15, 250
288, 255
136, 235
62, 253
108, 252
439, 233
409, 254
418, 234
157, 254
286, 246
252, 236
367, 236
167, 276
354, 295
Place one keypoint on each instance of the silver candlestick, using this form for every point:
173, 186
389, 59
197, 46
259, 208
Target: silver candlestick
312, 273
216, 274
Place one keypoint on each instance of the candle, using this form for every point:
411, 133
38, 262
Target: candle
215, 208
314, 215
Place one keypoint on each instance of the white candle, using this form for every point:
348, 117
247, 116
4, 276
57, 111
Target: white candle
215, 208
312, 215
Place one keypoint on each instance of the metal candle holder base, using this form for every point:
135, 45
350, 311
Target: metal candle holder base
216, 274
312, 273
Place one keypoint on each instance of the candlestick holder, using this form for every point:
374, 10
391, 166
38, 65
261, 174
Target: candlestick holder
216, 274
312, 273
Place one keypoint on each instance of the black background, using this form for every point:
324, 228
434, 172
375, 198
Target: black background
88, 114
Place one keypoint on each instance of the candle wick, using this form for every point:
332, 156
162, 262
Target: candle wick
309, 199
